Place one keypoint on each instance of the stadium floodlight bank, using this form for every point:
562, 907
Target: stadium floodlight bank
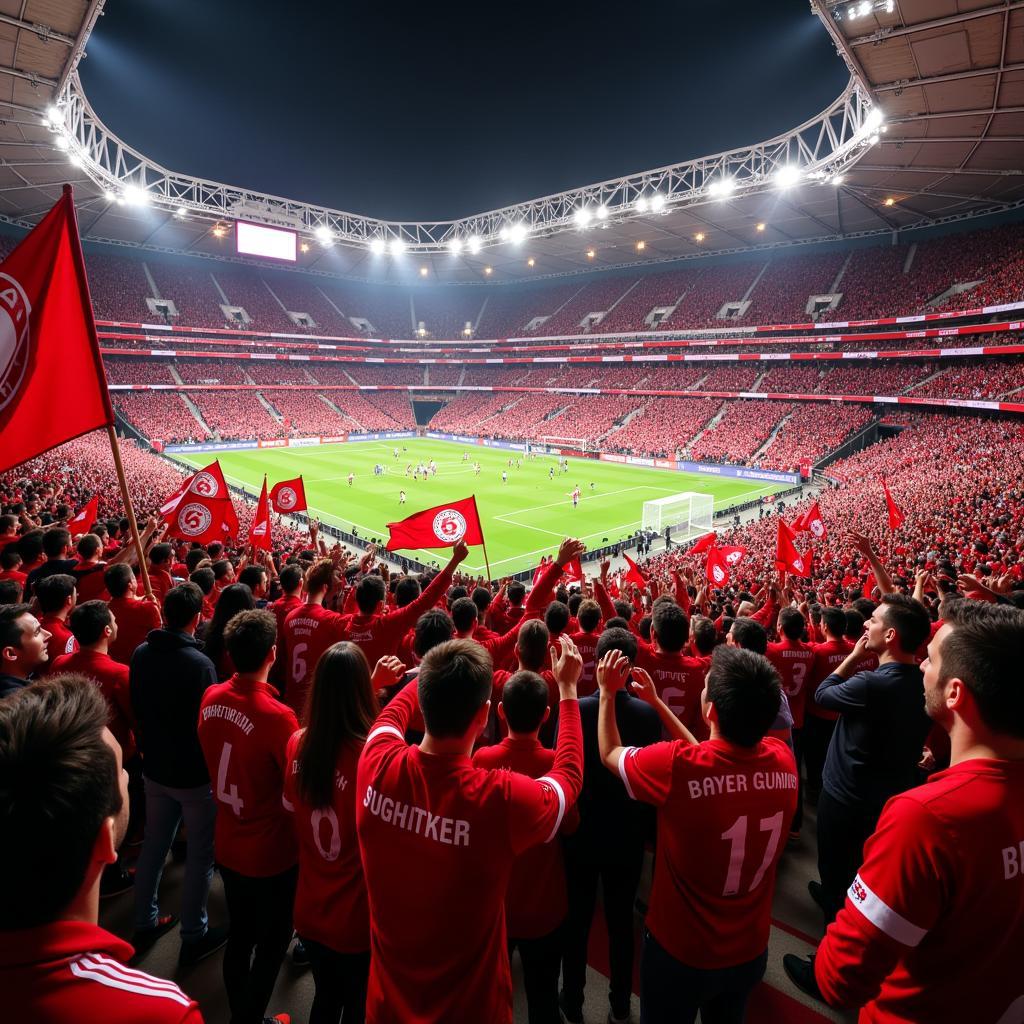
688, 514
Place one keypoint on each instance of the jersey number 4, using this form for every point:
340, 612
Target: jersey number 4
737, 837
225, 794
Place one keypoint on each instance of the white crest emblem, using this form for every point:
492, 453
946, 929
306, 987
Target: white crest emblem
449, 526
194, 519
718, 572
287, 498
14, 338
205, 484
798, 564
817, 527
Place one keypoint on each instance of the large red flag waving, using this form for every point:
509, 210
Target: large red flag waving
717, 568
288, 496
200, 509
442, 526
814, 523
787, 558
259, 531
633, 573
895, 512
47, 335
84, 521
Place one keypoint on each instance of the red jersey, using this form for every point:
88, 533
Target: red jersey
933, 925
135, 618
536, 901
438, 838
75, 971
330, 901
723, 816
14, 574
160, 582
827, 658
282, 608
244, 730
793, 660
308, 631
89, 581
586, 644
112, 678
679, 680
62, 641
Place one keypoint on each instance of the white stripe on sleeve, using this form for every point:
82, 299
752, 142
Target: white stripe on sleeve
561, 805
626, 751
380, 730
882, 916
96, 974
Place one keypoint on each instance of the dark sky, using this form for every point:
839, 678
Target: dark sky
419, 111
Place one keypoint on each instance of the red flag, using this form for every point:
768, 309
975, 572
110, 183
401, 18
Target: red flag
799, 525
809, 560
47, 335
869, 586
288, 496
813, 522
442, 526
705, 543
83, 522
259, 530
171, 503
633, 573
198, 518
787, 558
733, 554
895, 512
574, 571
717, 569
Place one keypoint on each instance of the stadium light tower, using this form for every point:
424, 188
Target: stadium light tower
455, 246
583, 216
787, 176
397, 246
377, 246
722, 187
517, 233
475, 244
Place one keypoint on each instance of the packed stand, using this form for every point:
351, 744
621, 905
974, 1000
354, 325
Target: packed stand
247, 289
236, 415
193, 293
306, 413
118, 288
782, 293
160, 416
746, 425
137, 371
665, 426
992, 378
595, 297
811, 432
652, 291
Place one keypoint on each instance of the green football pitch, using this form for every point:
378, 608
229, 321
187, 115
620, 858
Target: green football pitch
523, 519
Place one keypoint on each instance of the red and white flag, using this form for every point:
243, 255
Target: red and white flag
813, 522
716, 567
633, 573
733, 554
895, 512
84, 521
288, 496
442, 526
574, 571
48, 342
200, 509
787, 558
259, 531
705, 543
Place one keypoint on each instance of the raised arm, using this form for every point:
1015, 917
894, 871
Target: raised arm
862, 545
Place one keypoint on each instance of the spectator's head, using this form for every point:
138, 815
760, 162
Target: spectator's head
854, 624
160, 556
616, 622
433, 627
524, 703
623, 608
193, 558
370, 591
319, 577
291, 579
556, 618
864, 605
454, 687
643, 627
93, 623
833, 621
204, 580
31, 546
899, 626
57, 543
22, 641
8, 527
704, 634
749, 635
791, 624
482, 599
64, 794
456, 593
464, 615
340, 708
256, 578
251, 638
56, 594
972, 672
10, 558
407, 589
10, 592
234, 598
183, 605
532, 645
615, 638
223, 570
119, 580
574, 602
516, 593
670, 626
589, 615
89, 547
742, 696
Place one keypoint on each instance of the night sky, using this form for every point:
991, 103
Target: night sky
420, 111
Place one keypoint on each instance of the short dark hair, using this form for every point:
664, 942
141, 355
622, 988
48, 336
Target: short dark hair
370, 591
456, 593
482, 598
318, 576
193, 557
160, 553
55, 541
221, 567
116, 578
623, 608
532, 644
249, 637
464, 614
182, 604
10, 556
253, 576
616, 622
204, 580
516, 592
556, 618
854, 624
704, 634
589, 615
574, 602
53, 591
10, 631
433, 627
88, 621
864, 605
10, 592
58, 783
834, 621
407, 589
985, 648
616, 639
454, 682
291, 578
791, 624
524, 699
88, 545
746, 693
909, 618
670, 625
750, 635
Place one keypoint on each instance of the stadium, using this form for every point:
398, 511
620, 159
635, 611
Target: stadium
782, 379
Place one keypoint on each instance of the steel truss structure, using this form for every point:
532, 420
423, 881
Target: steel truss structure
817, 152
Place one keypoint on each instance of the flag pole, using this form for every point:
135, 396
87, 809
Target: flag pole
129, 511
483, 541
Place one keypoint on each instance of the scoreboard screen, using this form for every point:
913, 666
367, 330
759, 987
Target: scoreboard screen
269, 243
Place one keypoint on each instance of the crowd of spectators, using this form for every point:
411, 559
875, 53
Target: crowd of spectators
594, 297
663, 427
236, 415
159, 416
138, 371
193, 292
248, 290
746, 425
812, 431
788, 282
308, 414
653, 291
993, 378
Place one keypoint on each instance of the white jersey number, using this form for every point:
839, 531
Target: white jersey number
225, 794
737, 837
333, 851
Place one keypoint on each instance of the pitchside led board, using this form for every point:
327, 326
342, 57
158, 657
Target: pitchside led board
268, 243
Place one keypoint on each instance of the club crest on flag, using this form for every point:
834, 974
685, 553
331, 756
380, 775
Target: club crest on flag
14, 337
449, 525
718, 572
205, 484
286, 498
817, 528
798, 564
194, 519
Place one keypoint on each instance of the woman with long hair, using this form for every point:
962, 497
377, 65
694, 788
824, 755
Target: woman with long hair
234, 598
331, 912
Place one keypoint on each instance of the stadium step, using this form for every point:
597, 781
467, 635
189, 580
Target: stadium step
194, 409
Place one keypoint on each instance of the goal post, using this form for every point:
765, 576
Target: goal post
689, 514
554, 441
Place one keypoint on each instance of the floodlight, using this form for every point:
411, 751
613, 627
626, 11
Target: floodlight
641, 245
642, 204
76, 160
180, 212
531, 262
787, 176
873, 140
602, 212
218, 232
488, 271
517, 233
657, 202
761, 226
62, 142
53, 115
397, 246
475, 244
377, 246
889, 201
873, 121
455, 246
890, 6
135, 196
109, 196
722, 187
699, 237
503, 234
304, 247
837, 180
591, 254
323, 234
583, 216
865, 8
424, 271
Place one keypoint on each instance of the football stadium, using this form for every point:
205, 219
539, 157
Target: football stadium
603, 604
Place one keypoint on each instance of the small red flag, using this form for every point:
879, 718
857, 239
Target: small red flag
733, 554
813, 522
83, 522
895, 512
259, 530
48, 338
200, 509
787, 558
717, 569
869, 586
633, 573
809, 560
288, 496
442, 526
705, 543
799, 525
574, 570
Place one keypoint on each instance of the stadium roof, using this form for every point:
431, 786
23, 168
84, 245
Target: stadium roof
929, 130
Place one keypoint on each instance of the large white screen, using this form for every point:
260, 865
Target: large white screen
259, 240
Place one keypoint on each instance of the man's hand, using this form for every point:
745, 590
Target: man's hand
366, 562
569, 549
460, 550
612, 672
606, 564
387, 672
860, 648
860, 544
644, 688
567, 663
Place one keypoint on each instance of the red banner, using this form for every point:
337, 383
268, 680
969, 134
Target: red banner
442, 526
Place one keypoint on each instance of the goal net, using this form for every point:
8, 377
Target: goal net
553, 441
689, 514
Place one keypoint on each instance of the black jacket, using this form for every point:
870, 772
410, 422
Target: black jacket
11, 684
168, 676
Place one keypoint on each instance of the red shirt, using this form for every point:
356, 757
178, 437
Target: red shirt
586, 644
308, 631
135, 618
14, 574
243, 730
438, 838
62, 641
330, 902
536, 901
793, 660
679, 680
89, 581
112, 678
933, 925
723, 815
160, 582
828, 656
74, 971
282, 608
